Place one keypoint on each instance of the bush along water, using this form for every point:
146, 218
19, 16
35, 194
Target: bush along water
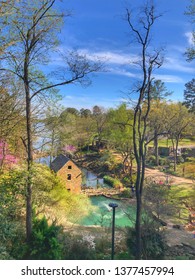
115, 183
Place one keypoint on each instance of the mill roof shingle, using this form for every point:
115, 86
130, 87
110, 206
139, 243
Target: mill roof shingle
59, 162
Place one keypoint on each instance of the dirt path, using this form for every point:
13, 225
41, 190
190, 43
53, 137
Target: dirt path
174, 236
159, 174
162, 176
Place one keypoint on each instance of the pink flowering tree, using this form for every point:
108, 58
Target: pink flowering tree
69, 150
6, 158
157, 198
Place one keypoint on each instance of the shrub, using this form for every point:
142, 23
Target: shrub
151, 160
118, 168
128, 181
78, 248
180, 159
190, 159
103, 248
12, 202
127, 192
163, 161
153, 244
123, 256
115, 183
44, 243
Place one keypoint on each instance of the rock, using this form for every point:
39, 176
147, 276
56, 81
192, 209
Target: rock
177, 226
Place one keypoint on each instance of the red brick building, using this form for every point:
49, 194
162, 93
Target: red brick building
69, 172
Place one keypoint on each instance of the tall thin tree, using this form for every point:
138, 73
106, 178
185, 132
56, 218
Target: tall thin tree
141, 26
36, 26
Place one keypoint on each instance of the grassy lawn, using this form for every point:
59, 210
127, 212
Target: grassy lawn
168, 143
180, 194
186, 170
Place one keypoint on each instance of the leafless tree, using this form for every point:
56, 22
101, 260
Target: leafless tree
150, 59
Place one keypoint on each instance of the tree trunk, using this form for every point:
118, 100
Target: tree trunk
156, 147
138, 226
131, 169
176, 151
174, 154
29, 152
29, 169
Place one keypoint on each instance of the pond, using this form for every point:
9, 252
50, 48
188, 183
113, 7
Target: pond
92, 180
102, 213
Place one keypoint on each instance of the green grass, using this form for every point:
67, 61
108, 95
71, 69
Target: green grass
168, 143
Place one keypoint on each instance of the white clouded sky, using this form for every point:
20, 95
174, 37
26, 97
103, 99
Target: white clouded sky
98, 30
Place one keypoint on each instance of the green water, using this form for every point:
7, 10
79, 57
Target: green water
102, 214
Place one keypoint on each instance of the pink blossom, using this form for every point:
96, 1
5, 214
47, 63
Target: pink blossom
69, 149
5, 154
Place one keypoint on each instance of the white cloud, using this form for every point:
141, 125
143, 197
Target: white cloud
124, 64
68, 97
177, 64
169, 78
122, 72
189, 36
110, 57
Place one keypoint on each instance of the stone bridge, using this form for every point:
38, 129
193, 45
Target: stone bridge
97, 192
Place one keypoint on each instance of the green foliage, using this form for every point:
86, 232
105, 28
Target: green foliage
108, 161
103, 248
12, 203
4, 255
44, 243
157, 198
180, 159
151, 160
152, 242
123, 256
189, 95
190, 159
52, 199
183, 194
115, 183
127, 193
11, 193
163, 161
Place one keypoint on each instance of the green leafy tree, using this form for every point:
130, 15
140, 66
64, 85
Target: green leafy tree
120, 135
157, 114
156, 124
6, 10
51, 136
36, 26
179, 120
100, 118
190, 52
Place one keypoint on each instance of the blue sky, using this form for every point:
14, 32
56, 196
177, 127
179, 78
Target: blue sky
97, 29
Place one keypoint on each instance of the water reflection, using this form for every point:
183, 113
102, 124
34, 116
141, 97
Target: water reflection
91, 180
